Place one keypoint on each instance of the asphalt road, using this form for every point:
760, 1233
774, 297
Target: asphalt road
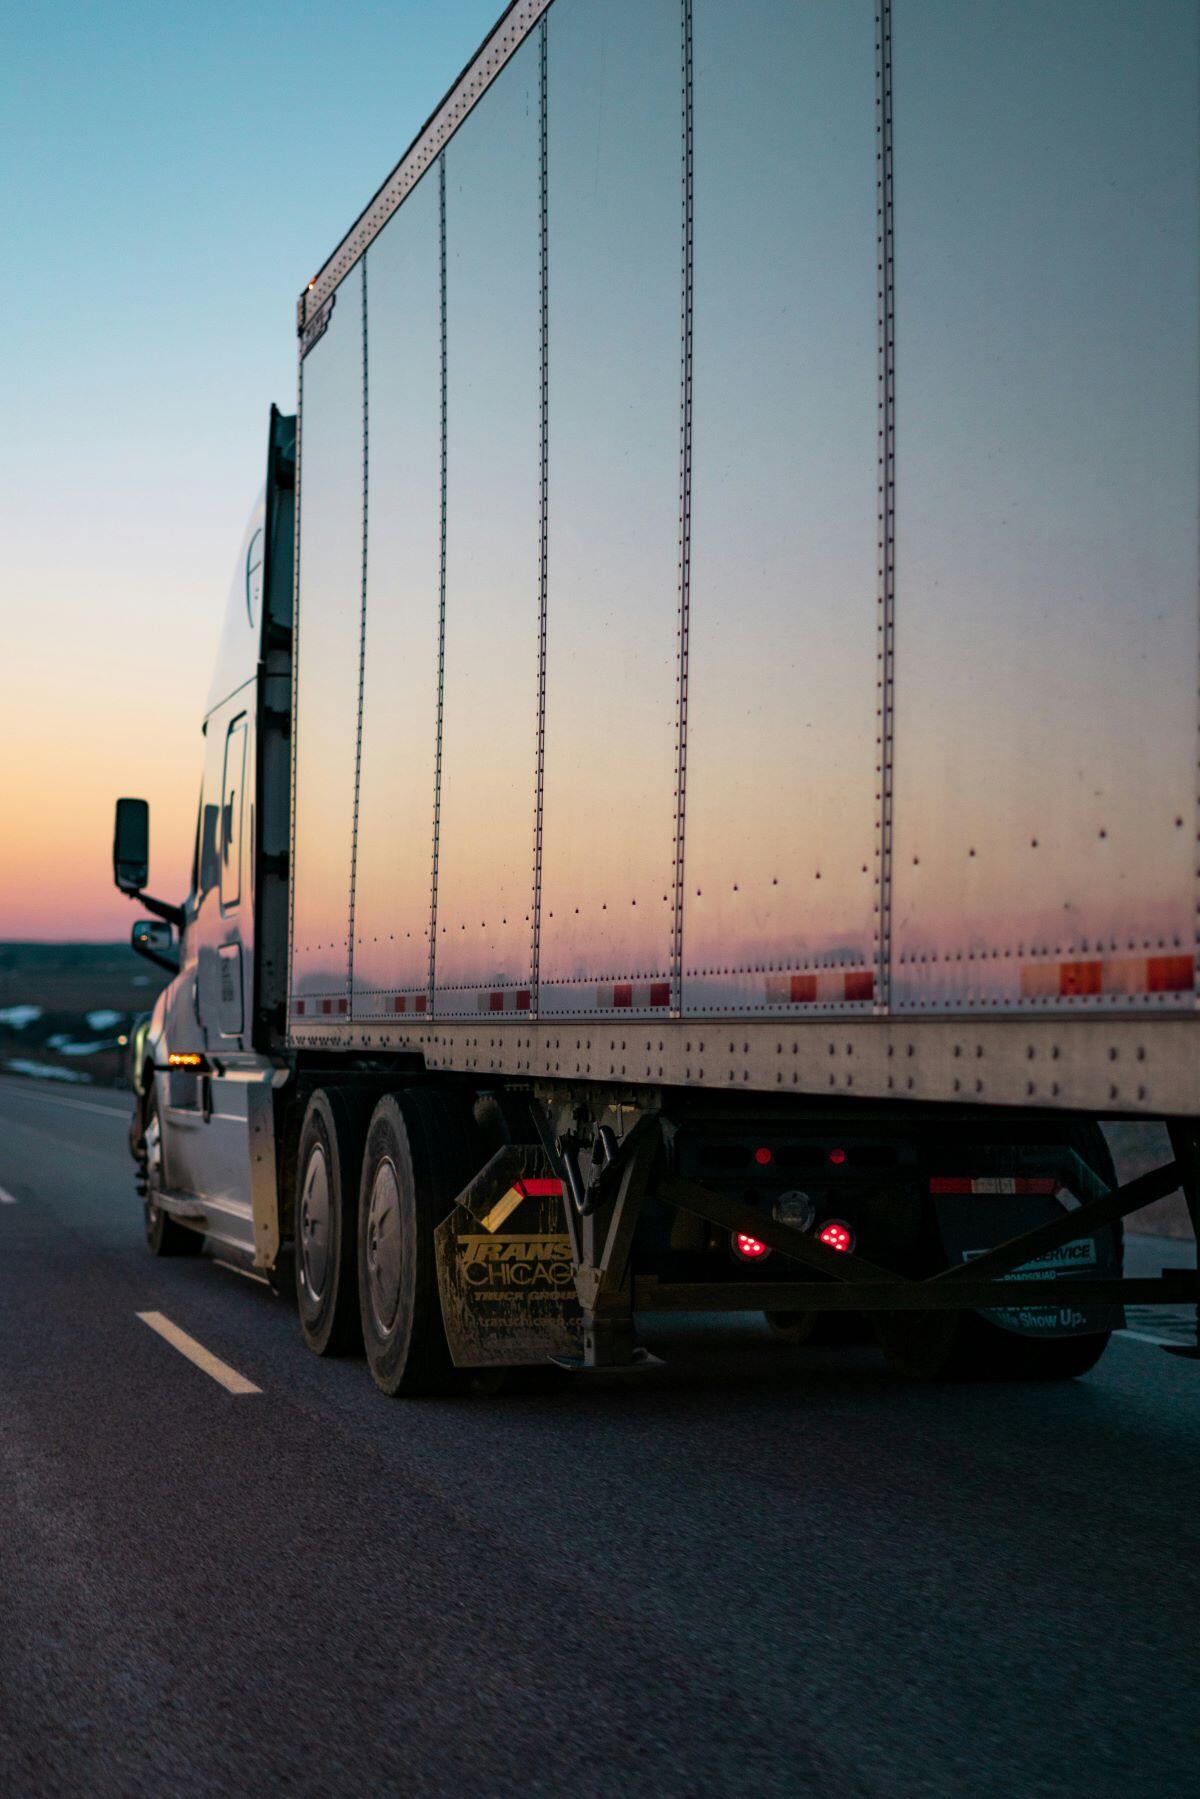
760, 1571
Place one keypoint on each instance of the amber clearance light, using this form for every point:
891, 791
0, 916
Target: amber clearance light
188, 1058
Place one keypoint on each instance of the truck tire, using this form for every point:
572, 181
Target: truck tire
795, 1328
818, 1330
165, 1236
965, 1346
327, 1168
417, 1160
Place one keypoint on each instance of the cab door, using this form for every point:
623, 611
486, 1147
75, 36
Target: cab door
228, 1002
212, 1144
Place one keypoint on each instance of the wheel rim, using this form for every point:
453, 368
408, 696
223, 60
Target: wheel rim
383, 1246
152, 1138
314, 1223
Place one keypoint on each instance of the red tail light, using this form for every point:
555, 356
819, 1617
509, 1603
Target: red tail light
749, 1248
836, 1235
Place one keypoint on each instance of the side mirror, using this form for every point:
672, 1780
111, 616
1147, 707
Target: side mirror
153, 938
131, 846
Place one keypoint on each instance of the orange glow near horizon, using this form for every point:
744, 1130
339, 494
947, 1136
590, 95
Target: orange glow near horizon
99, 702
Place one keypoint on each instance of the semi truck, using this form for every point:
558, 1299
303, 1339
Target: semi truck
699, 806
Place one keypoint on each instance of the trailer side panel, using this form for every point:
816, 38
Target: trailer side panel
1047, 470
394, 861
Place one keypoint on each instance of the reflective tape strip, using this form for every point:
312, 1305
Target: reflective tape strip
504, 999
528, 1187
624, 995
823, 986
410, 1002
1089, 976
993, 1184
504, 1207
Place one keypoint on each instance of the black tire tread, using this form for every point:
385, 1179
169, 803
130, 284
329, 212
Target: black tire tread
334, 1328
166, 1236
432, 1132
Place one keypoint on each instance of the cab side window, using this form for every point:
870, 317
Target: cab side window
230, 823
210, 858
254, 574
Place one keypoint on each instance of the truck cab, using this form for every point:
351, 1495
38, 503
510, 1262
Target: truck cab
209, 1057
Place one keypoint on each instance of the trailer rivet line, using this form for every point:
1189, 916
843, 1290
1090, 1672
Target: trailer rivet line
362, 648
685, 509
544, 506
885, 650
441, 650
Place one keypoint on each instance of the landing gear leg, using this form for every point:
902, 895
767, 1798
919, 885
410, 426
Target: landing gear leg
602, 1215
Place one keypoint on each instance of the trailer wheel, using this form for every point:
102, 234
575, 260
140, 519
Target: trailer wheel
818, 1329
165, 1236
963, 1346
327, 1164
931, 1346
417, 1160
792, 1327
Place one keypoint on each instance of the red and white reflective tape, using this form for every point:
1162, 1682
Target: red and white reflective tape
645, 995
503, 999
410, 1002
825, 986
326, 1006
1133, 975
528, 1187
943, 1183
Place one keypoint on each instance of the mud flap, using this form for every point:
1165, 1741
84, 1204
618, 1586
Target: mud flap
508, 1293
971, 1225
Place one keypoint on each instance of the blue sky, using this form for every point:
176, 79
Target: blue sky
170, 176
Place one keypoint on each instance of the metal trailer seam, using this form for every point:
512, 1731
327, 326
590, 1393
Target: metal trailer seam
497, 50
685, 510
441, 655
294, 733
362, 648
886, 629
544, 522
1196, 825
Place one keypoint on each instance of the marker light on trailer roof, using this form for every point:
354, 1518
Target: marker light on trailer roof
763, 1157
836, 1235
838, 1156
749, 1248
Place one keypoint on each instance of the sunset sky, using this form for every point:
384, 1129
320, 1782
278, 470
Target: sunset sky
171, 176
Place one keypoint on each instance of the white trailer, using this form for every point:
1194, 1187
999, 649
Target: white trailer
714, 681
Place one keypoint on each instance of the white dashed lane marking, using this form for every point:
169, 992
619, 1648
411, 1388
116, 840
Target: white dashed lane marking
220, 1371
7, 1199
